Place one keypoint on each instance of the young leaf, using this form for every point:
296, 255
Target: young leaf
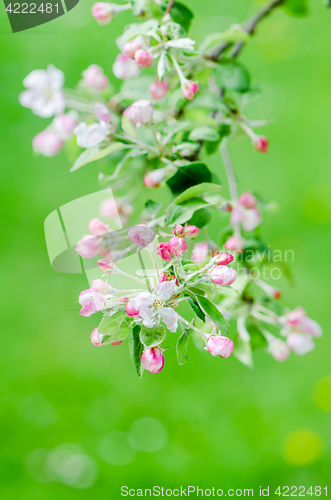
152, 208
94, 154
204, 134
188, 176
136, 349
127, 127
198, 190
152, 337
181, 347
232, 76
196, 308
297, 7
182, 15
116, 326
213, 314
201, 218
178, 214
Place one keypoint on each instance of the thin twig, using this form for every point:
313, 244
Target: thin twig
249, 27
170, 5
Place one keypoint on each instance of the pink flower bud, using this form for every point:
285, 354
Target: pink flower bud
222, 275
177, 246
89, 246
92, 301
102, 113
163, 251
158, 89
154, 178
261, 144
143, 58
279, 349
220, 346
179, 231
189, 89
130, 310
200, 252
64, 126
96, 337
105, 266
100, 285
167, 277
141, 234
152, 359
117, 343
102, 12
300, 343
235, 243
47, 143
223, 259
248, 200
125, 68
191, 231
130, 48
296, 316
94, 77
109, 208
140, 112
97, 228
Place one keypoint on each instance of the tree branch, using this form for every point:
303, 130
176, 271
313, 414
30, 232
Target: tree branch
249, 27
170, 6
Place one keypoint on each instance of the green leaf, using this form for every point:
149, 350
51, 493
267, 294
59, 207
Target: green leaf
93, 154
198, 190
181, 347
201, 218
136, 349
116, 326
213, 314
327, 3
233, 76
182, 15
148, 28
297, 7
204, 134
128, 127
178, 214
196, 308
152, 337
152, 208
146, 134
188, 176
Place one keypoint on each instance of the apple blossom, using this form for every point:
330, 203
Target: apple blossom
47, 143
189, 89
298, 321
177, 246
235, 243
223, 259
140, 112
95, 78
105, 266
158, 89
163, 251
152, 359
249, 218
90, 136
92, 301
248, 200
102, 113
103, 12
89, 246
279, 349
96, 337
101, 285
220, 346
261, 144
130, 310
125, 68
222, 275
64, 125
164, 276
141, 234
97, 227
300, 343
144, 58
131, 47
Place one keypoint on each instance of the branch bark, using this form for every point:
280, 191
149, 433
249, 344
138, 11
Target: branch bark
249, 26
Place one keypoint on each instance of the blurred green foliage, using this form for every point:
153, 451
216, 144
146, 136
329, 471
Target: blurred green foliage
214, 422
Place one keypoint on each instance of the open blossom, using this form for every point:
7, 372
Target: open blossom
164, 276
300, 343
89, 246
144, 58
47, 143
125, 68
94, 77
248, 200
218, 345
64, 125
131, 47
140, 112
152, 359
101, 285
97, 227
141, 234
152, 306
158, 89
92, 301
44, 95
223, 259
200, 252
249, 218
235, 243
102, 113
298, 321
189, 89
90, 136
222, 275
279, 349
261, 144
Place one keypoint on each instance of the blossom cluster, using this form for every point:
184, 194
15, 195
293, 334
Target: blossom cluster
176, 105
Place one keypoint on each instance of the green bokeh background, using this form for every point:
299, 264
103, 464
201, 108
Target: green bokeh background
227, 425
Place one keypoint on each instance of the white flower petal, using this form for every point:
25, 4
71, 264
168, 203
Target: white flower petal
165, 290
169, 318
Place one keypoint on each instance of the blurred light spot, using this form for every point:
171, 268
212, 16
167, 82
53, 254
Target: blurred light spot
148, 434
35, 410
192, 441
302, 447
103, 413
317, 203
67, 464
323, 393
115, 448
